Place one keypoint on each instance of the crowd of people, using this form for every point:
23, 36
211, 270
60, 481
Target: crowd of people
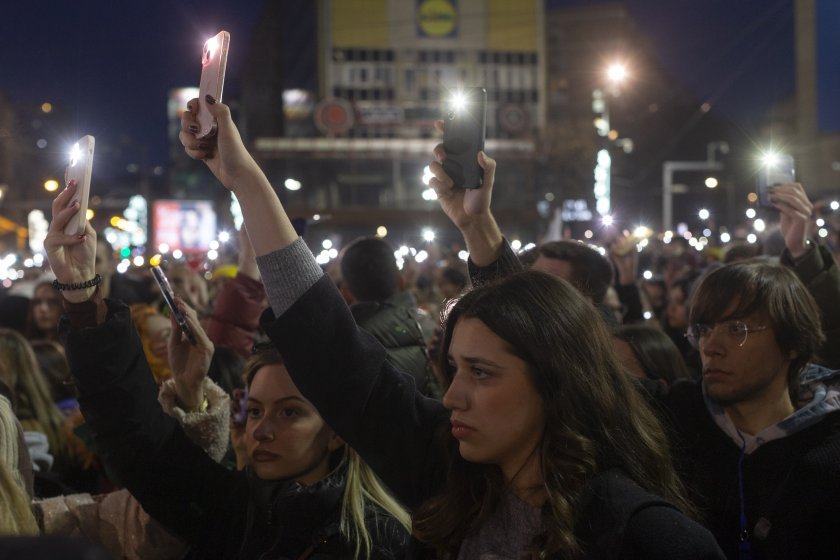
563, 406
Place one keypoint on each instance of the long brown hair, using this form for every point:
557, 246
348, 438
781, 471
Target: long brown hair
595, 419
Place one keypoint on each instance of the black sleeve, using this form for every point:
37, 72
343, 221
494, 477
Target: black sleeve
821, 275
375, 408
659, 532
174, 480
505, 265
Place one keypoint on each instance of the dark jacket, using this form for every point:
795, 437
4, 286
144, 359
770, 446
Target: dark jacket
222, 514
403, 435
791, 485
394, 323
820, 273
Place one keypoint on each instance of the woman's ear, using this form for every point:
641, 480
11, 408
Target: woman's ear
335, 442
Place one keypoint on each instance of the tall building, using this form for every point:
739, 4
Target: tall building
357, 140
817, 112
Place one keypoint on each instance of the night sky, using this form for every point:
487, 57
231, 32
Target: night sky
109, 64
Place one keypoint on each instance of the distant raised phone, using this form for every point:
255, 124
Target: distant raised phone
213, 65
776, 169
79, 170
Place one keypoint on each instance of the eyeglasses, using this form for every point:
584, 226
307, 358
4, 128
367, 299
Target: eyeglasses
734, 331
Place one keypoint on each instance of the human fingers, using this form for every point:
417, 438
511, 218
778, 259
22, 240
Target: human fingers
62, 213
488, 165
195, 325
440, 153
441, 182
439, 125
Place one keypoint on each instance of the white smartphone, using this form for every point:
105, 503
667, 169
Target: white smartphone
213, 65
79, 170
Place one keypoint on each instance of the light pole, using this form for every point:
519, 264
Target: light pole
616, 73
668, 169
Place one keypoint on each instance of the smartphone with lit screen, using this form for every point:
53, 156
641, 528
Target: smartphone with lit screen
777, 169
464, 131
169, 298
79, 170
213, 64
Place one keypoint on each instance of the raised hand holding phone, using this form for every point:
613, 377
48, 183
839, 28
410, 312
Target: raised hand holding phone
169, 297
213, 66
79, 171
189, 359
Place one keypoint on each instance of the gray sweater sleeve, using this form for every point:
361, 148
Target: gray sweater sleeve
287, 274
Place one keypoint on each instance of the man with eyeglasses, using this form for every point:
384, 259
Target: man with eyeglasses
758, 440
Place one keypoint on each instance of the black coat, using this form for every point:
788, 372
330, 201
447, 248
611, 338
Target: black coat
792, 482
221, 514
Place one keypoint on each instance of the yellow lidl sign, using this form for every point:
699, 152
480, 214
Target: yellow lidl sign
437, 18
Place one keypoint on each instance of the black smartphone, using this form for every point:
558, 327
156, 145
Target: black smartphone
775, 170
169, 297
463, 136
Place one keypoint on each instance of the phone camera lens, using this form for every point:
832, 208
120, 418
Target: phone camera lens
451, 115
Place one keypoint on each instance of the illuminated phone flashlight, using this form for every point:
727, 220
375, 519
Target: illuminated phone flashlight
459, 101
75, 154
770, 159
210, 47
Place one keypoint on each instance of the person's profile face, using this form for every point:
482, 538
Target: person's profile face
496, 413
676, 313
46, 308
743, 367
285, 436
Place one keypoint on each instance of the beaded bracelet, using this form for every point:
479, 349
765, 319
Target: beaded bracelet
95, 281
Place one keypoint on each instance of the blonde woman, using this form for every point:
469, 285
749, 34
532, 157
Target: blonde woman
15, 515
35, 409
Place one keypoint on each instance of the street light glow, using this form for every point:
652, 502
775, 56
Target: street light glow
292, 184
51, 185
616, 72
834, 205
427, 175
703, 214
711, 182
428, 235
750, 213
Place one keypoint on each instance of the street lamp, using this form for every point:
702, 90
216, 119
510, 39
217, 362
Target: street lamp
668, 169
615, 73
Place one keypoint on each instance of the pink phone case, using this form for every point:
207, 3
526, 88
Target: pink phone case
213, 64
79, 170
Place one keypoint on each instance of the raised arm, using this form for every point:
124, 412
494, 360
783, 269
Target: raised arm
813, 264
269, 228
340, 369
145, 448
